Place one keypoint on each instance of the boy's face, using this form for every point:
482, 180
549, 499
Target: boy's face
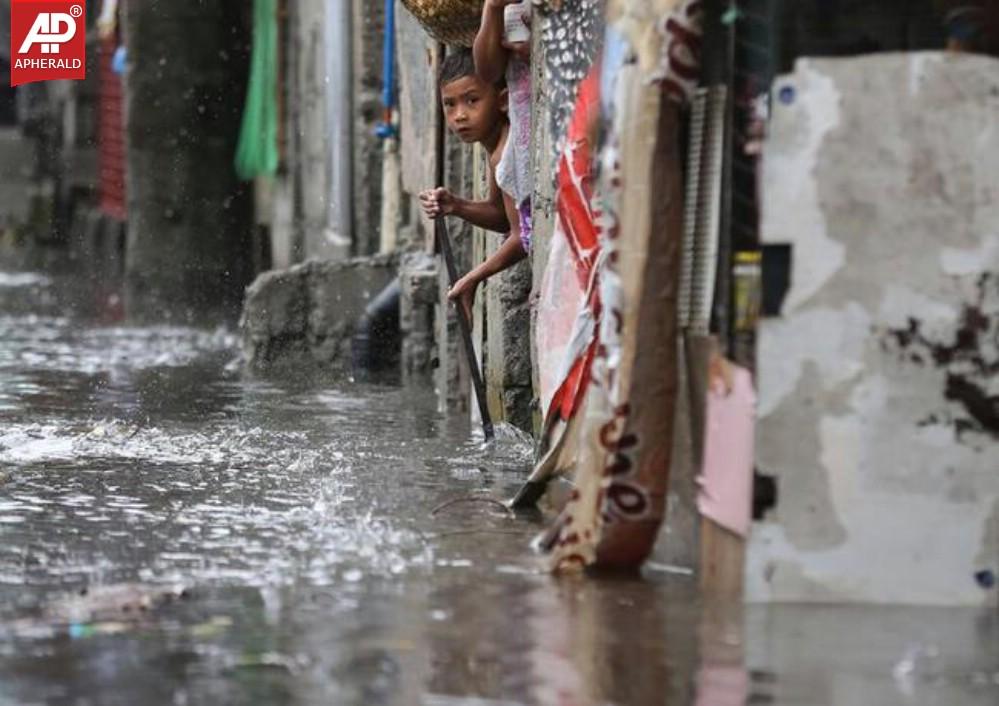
472, 107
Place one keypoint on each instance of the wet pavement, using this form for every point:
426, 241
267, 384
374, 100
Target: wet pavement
175, 532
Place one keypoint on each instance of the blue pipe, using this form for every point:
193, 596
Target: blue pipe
385, 128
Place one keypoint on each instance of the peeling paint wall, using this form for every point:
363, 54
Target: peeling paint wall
879, 406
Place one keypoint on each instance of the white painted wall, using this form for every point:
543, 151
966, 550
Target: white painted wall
877, 382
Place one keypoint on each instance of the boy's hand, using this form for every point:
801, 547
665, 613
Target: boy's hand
463, 293
437, 202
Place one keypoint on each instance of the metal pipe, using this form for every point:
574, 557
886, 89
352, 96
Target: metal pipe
339, 106
444, 244
375, 343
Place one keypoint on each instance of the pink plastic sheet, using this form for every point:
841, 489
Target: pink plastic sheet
729, 445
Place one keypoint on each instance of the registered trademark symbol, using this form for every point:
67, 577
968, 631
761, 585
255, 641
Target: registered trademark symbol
76, 11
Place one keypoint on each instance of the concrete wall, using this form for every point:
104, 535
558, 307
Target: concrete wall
305, 210
313, 127
503, 327
298, 199
878, 402
418, 118
417, 57
452, 375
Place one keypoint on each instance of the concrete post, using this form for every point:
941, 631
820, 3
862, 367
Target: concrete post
189, 241
368, 35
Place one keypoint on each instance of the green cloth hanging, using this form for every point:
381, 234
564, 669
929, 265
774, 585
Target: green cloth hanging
257, 153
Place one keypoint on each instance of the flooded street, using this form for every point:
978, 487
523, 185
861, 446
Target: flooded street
173, 531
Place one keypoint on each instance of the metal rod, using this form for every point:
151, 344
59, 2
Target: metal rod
444, 245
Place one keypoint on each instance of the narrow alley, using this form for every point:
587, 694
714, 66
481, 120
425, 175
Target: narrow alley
499, 352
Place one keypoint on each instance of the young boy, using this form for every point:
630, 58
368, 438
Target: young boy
475, 111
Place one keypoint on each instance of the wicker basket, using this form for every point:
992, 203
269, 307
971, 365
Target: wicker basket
448, 21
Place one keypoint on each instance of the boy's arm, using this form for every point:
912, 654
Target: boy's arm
484, 214
488, 51
509, 254
511, 251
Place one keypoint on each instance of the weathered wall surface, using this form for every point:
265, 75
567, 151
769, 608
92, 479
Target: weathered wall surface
312, 138
418, 113
451, 377
879, 410
543, 199
418, 277
503, 323
418, 120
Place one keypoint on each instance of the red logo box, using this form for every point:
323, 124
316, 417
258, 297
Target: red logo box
48, 40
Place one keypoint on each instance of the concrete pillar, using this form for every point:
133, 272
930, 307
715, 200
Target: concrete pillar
419, 276
189, 241
368, 36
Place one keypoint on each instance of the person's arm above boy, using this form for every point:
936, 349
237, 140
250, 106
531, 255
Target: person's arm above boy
490, 50
489, 214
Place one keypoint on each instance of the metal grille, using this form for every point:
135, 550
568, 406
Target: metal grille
702, 213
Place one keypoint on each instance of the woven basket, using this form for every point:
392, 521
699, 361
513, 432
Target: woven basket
448, 21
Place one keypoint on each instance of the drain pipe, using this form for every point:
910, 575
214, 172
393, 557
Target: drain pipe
391, 198
376, 342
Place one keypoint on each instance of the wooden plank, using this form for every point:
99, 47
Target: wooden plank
723, 558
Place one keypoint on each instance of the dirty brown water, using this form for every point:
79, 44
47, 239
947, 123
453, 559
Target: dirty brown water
247, 541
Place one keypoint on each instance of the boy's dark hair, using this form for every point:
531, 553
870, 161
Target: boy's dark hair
457, 64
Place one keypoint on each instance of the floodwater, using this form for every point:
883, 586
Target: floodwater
247, 541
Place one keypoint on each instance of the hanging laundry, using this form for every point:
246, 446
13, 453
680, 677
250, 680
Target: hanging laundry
257, 152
